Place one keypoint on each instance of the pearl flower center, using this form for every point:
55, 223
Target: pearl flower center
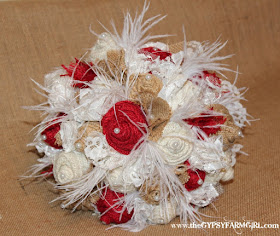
117, 130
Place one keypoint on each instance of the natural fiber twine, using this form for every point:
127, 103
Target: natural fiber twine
229, 131
58, 140
150, 191
181, 172
86, 205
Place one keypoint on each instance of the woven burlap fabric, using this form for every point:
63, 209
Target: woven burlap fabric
38, 36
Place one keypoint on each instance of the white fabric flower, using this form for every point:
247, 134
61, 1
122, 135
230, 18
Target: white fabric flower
61, 92
209, 156
204, 195
193, 48
222, 175
70, 166
69, 133
179, 92
163, 214
96, 101
101, 154
175, 144
117, 179
104, 44
127, 177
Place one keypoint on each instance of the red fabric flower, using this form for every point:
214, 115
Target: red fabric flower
123, 126
82, 72
48, 172
205, 123
212, 78
155, 53
196, 176
114, 215
51, 131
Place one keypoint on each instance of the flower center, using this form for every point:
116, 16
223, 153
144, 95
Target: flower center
117, 130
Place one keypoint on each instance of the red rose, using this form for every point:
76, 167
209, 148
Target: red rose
154, 53
123, 126
113, 213
208, 123
196, 179
50, 132
211, 77
80, 72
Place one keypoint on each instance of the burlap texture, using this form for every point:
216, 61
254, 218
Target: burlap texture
85, 130
161, 113
229, 131
40, 35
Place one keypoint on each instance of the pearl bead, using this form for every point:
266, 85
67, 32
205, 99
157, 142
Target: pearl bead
239, 133
200, 182
156, 198
148, 77
62, 176
44, 137
117, 130
175, 145
103, 35
78, 145
62, 205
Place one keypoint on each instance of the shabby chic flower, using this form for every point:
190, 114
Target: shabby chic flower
70, 166
175, 144
124, 125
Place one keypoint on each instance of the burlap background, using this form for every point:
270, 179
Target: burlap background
38, 36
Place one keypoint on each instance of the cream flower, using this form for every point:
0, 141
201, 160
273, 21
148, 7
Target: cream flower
104, 44
117, 179
61, 92
101, 154
126, 178
70, 166
179, 92
204, 195
96, 101
69, 133
175, 144
163, 214
223, 175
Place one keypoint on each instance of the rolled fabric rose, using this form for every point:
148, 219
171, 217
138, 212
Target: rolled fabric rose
123, 126
70, 166
163, 215
117, 179
153, 53
112, 211
104, 44
175, 146
60, 90
196, 179
80, 71
49, 135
